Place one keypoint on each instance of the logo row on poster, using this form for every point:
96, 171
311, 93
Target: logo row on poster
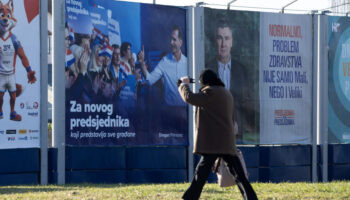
24, 138
20, 131
23, 134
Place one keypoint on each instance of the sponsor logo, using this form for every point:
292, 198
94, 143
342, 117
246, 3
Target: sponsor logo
22, 131
33, 131
29, 106
11, 139
11, 131
23, 138
284, 117
2, 132
35, 105
34, 138
335, 27
33, 114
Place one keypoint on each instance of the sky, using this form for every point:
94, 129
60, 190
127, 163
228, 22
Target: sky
300, 6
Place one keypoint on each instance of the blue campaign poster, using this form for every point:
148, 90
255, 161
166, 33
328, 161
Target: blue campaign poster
110, 100
338, 79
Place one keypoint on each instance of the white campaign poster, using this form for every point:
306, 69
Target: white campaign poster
19, 59
285, 79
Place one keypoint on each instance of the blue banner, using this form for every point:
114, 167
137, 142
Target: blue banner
111, 97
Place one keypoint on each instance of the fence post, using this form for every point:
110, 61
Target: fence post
43, 93
323, 92
191, 68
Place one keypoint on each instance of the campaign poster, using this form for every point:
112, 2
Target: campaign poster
19, 74
285, 79
338, 79
232, 51
122, 64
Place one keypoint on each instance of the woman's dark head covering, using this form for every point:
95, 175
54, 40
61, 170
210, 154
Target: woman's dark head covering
209, 77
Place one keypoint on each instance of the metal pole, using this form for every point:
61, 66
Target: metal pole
324, 98
323, 93
58, 76
43, 93
199, 4
229, 4
325, 12
315, 49
198, 64
191, 67
288, 5
154, 1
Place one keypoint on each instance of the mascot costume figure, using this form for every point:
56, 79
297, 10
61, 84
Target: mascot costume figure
10, 47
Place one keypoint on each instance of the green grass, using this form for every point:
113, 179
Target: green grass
332, 190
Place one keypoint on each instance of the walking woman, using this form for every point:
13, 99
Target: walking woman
214, 135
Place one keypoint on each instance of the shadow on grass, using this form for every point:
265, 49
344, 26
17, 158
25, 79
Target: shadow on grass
20, 189
24, 189
52, 188
213, 191
205, 190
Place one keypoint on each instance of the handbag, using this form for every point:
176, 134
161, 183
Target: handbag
225, 178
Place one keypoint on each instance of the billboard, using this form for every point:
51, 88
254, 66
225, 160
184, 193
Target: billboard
338, 79
265, 61
285, 79
122, 63
19, 74
232, 51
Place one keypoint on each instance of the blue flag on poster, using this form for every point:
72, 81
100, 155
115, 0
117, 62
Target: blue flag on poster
126, 100
98, 3
128, 91
114, 32
78, 16
99, 18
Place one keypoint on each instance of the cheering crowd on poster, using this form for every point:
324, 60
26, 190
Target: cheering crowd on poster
96, 65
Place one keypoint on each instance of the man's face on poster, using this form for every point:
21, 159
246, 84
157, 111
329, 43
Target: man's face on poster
175, 42
223, 42
116, 56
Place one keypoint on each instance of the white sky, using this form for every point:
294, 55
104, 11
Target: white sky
305, 6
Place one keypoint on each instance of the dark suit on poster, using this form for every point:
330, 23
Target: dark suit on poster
241, 90
238, 75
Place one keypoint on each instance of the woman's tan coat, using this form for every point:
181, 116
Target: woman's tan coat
214, 119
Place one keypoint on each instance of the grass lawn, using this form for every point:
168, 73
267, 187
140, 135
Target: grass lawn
332, 190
